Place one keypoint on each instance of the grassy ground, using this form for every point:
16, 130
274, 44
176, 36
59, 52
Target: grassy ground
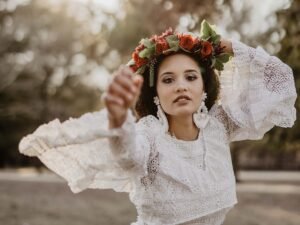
52, 203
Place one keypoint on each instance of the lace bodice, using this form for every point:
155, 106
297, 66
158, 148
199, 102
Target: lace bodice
172, 181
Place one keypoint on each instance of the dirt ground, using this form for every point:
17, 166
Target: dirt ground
52, 203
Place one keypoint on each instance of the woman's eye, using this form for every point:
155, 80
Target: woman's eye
168, 80
191, 77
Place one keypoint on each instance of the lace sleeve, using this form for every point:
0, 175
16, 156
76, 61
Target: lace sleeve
80, 151
132, 147
257, 92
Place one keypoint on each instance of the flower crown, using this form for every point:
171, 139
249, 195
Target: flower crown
207, 46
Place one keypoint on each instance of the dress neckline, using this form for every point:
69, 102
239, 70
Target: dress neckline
180, 141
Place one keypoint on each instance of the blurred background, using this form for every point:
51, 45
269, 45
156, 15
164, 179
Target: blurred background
56, 57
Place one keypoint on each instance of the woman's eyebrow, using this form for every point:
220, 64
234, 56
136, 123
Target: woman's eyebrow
186, 71
166, 73
191, 70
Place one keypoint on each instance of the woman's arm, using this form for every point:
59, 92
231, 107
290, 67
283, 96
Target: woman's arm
257, 92
122, 93
98, 150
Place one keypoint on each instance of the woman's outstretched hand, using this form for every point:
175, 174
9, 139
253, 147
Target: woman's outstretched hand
227, 46
122, 93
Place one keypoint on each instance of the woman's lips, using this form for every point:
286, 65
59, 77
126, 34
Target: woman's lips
181, 100
182, 97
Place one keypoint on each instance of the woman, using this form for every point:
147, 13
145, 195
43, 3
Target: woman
175, 160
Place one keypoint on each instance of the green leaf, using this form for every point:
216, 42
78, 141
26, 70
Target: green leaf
147, 43
216, 39
218, 65
204, 29
224, 57
147, 52
174, 49
207, 30
172, 37
173, 41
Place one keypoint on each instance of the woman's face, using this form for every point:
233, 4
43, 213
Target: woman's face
179, 75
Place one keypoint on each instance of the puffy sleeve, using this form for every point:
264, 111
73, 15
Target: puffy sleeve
257, 93
87, 154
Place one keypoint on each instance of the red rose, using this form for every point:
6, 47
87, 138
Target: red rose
138, 61
161, 45
187, 41
207, 48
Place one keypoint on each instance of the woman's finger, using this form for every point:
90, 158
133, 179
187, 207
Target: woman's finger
116, 89
126, 82
108, 99
127, 71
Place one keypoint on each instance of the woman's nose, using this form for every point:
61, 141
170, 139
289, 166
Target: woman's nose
181, 86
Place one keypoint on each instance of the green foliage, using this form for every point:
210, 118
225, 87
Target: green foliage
173, 43
33, 56
147, 52
147, 43
207, 31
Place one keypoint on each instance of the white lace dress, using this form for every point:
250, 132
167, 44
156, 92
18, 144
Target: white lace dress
172, 181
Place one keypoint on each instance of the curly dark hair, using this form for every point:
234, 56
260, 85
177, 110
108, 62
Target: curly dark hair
145, 105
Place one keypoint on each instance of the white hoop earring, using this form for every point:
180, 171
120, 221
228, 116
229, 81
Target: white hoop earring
161, 115
201, 115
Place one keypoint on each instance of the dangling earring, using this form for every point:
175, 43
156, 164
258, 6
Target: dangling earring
161, 115
201, 116
200, 119
203, 108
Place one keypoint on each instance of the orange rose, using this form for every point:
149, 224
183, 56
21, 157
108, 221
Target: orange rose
138, 61
161, 45
186, 41
207, 48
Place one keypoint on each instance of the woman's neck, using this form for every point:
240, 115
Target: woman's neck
183, 128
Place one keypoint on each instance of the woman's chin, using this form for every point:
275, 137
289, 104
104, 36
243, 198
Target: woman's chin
183, 112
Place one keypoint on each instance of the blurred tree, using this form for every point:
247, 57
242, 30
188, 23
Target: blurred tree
50, 52
288, 140
44, 61
46, 53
